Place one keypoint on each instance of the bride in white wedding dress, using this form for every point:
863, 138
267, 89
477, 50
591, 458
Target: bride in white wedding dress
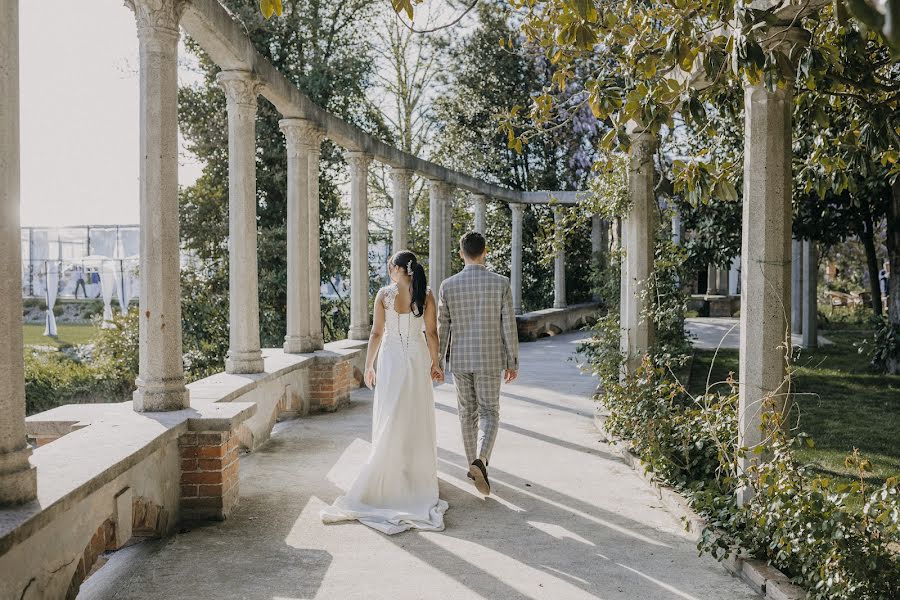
397, 488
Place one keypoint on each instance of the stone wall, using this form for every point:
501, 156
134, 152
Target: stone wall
553, 321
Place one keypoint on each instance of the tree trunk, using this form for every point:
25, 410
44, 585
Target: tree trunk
893, 250
867, 237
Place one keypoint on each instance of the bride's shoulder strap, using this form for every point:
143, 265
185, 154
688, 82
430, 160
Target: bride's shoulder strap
388, 295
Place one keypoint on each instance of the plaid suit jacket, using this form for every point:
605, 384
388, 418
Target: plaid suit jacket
476, 322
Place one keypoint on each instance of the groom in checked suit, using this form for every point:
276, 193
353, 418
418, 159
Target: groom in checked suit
477, 324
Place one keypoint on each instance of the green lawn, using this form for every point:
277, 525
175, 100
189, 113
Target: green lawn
841, 404
67, 335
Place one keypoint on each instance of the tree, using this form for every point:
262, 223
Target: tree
484, 80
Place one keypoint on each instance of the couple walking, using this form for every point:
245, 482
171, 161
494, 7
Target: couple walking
412, 333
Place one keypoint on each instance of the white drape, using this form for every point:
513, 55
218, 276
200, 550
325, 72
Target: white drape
126, 280
107, 287
52, 279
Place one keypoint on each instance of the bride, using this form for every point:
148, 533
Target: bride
397, 488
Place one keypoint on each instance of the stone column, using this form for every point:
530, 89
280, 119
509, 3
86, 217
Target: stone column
809, 299
244, 355
359, 245
723, 281
435, 233
446, 229
18, 479
796, 286
559, 263
516, 245
400, 179
160, 382
676, 227
480, 203
598, 247
766, 257
313, 290
712, 280
301, 137
637, 239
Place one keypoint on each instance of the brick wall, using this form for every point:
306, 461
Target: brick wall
330, 384
209, 474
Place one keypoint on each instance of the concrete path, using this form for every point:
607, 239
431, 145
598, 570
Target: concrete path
568, 519
710, 333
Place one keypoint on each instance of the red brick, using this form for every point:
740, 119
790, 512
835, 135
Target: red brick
211, 451
188, 464
202, 477
212, 438
231, 470
209, 464
210, 490
188, 491
190, 452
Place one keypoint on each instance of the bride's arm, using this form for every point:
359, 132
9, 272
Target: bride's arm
374, 340
431, 332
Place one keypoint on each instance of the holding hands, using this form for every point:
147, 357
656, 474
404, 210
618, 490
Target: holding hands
437, 373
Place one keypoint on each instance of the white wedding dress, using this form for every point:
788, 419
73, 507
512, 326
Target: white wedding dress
397, 488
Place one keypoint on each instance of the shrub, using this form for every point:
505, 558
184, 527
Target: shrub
805, 525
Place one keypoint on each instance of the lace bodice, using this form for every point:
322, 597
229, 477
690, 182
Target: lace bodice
403, 325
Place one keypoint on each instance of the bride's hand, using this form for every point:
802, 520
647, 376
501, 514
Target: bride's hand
437, 374
370, 377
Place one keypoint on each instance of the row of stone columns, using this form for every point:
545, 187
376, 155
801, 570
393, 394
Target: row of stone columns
765, 256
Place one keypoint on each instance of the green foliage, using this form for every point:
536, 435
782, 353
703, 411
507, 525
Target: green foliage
107, 375
831, 537
885, 344
320, 48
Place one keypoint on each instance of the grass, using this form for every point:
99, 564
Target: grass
68, 334
839, 402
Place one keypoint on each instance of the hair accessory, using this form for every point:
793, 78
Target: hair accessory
409, 267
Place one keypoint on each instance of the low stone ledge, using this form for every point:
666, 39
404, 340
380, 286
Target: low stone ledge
553, 321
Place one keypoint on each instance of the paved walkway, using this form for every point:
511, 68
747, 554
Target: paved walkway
710, 333
568, 519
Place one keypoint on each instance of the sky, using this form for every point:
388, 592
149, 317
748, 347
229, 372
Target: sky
79, 113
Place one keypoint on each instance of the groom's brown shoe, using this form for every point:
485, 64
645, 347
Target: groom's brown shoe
478, 473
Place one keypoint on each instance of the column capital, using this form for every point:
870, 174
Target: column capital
157, 17
358, 160
241, 87
300, 134
440, 186
400, 177
517, 208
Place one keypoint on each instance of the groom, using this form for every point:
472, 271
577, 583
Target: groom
477, 324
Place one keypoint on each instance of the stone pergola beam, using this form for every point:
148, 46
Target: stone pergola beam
208, 23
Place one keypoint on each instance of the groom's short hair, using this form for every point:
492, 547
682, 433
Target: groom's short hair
472, 244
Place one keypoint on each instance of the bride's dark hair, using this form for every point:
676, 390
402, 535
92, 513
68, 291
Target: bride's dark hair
406, 260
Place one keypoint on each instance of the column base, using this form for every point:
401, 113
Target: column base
160, 396
299, 344
559, 305
18, 478
318, 341
244, 363
359, 333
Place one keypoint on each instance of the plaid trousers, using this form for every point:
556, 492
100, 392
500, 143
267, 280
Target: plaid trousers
478, 399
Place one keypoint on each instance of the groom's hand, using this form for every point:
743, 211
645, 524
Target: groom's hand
509, 375
437, 374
